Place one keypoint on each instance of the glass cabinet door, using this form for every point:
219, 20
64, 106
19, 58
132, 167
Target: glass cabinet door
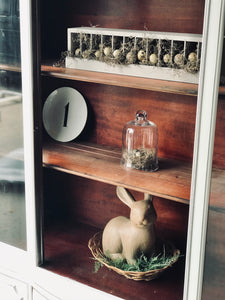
12, 186
204, 272
214, 266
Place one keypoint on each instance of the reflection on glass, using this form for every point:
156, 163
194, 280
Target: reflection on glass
214, 268
12, 194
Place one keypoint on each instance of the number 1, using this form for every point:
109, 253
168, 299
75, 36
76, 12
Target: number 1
66, 115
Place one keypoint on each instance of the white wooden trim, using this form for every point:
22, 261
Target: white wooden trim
204, 142
12, 288
66, 289
155, 72
12, 257
134, 33
27, 92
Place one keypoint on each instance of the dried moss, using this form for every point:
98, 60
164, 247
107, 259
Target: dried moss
140, 159
143, 263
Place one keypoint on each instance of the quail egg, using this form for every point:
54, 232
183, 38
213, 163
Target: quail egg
192, 57
141, 55
107, 51
153, 58
166, 58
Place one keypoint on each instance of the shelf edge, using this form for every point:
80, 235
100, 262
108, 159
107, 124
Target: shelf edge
89, 162
154, 85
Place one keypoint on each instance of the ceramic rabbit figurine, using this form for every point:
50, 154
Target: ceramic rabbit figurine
125, 238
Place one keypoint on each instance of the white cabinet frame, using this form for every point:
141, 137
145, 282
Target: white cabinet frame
28, 129
11, 257
202, 163
203, 148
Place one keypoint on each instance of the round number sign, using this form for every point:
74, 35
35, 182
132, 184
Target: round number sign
64, 114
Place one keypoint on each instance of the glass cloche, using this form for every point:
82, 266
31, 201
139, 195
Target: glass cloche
140, 144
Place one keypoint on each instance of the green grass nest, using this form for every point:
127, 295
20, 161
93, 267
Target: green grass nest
143, 263
144, 269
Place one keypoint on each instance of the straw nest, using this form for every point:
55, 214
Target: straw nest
171, 254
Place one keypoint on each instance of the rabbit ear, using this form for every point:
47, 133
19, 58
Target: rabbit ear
125, 196
148, 197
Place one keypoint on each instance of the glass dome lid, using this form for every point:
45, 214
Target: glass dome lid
140, 144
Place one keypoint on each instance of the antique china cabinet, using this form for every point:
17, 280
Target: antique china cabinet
54, 196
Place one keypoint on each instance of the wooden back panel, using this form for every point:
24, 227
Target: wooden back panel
79, 200
151, 15
110, 108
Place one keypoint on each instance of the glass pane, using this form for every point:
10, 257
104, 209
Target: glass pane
12, 191
214, 269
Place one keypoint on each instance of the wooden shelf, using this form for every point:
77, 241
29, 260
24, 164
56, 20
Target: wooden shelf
67, 254
155, 85
172, 181
216, 201
222, 90
121, 80
11, 68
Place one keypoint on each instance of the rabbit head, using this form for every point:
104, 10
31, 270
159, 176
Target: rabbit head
142, 212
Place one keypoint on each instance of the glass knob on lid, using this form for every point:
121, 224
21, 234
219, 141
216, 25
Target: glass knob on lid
140, 144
